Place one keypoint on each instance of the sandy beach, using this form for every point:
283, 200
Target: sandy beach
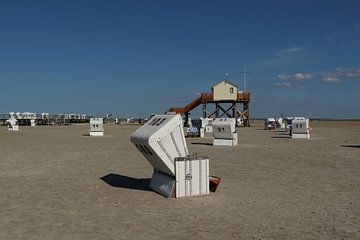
59, 183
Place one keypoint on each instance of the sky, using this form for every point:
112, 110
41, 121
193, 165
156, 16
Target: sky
134, 58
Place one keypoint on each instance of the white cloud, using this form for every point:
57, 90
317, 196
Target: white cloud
288, 51
284, 57
332, 76
283, 77
348, 72
302, 76
330, 80
336, 75
342, 72
296, 76
282, 84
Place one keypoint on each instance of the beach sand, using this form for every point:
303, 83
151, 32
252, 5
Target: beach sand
59, 183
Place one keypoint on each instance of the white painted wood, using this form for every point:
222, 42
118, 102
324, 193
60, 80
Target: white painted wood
223, 128
300, 128
96, 127
192, 176
160, 141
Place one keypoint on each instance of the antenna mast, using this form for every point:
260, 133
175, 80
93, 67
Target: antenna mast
245, 72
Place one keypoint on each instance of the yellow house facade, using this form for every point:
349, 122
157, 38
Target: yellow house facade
225, 90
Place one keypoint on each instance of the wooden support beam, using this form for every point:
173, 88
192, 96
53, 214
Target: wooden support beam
225, 112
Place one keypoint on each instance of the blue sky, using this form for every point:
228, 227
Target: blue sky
133, 58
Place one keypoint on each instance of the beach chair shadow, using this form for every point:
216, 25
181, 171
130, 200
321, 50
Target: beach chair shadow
352, 146
121, 181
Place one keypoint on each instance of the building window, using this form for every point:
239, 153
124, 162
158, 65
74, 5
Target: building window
231, 90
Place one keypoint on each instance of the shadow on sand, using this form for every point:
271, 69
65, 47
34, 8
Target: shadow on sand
200, 143
352, 146
120, 181
271, 131
280, 131
285, 136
